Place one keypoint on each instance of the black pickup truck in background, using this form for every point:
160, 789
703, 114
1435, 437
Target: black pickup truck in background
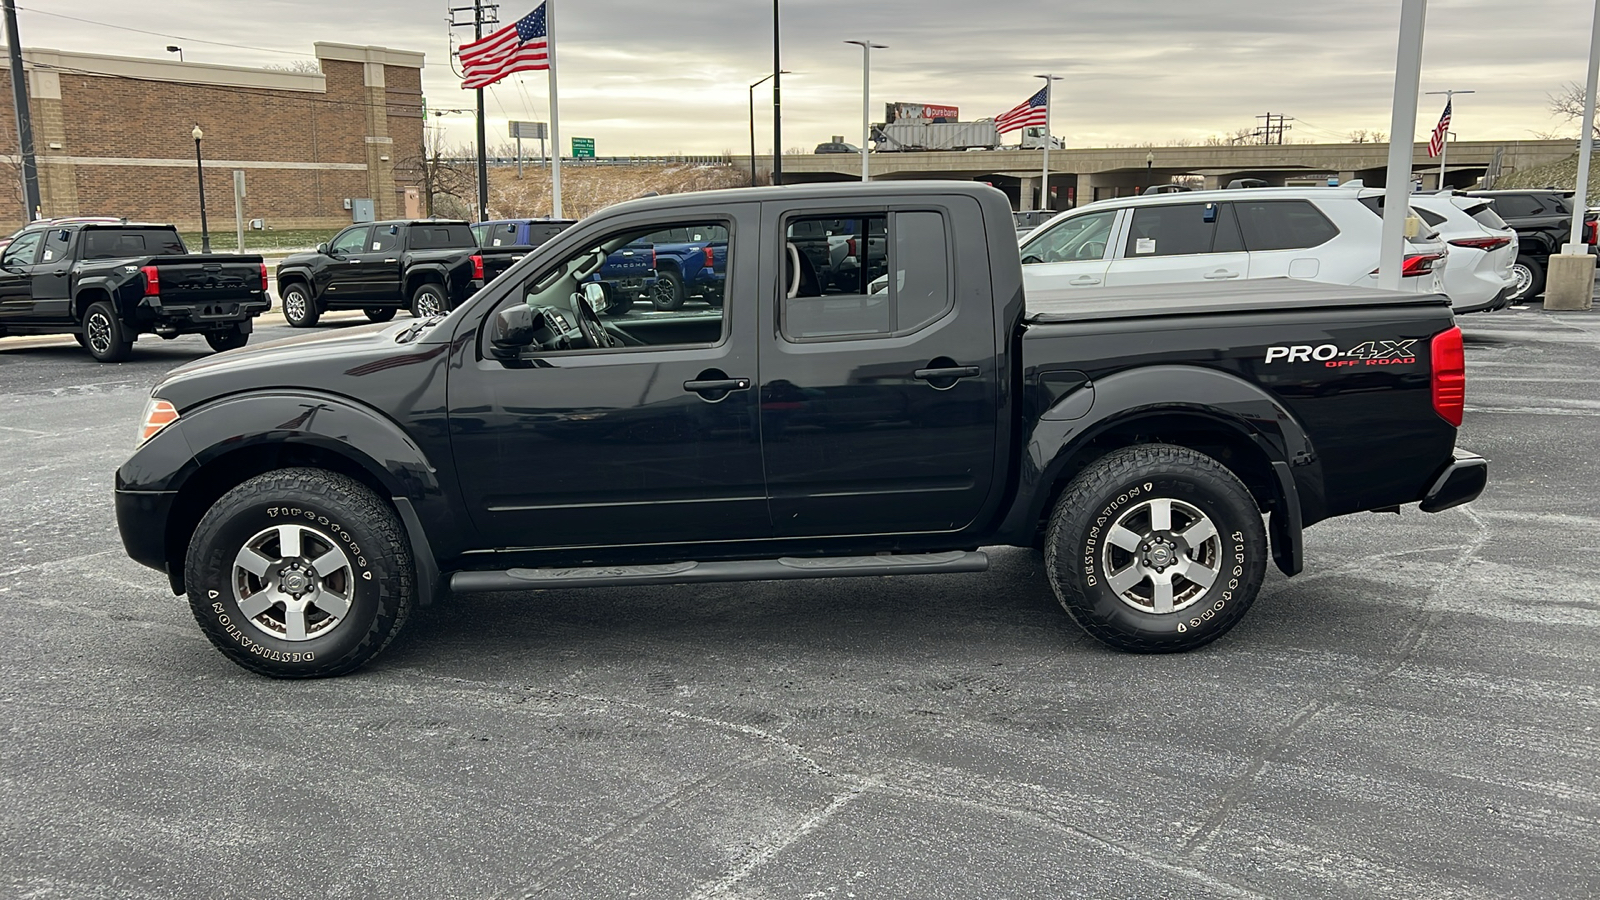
427, 266
1148, 440
108, 283
1542, 220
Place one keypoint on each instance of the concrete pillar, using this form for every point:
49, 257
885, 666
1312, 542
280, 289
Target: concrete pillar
58, 178
1216, 182
1085, 190
1569, 282
1026, 193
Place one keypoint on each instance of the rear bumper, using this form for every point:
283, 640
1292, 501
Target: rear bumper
1498, 301
192, 317
142, 522
1460, 481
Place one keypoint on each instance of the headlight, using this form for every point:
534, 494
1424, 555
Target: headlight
158, 414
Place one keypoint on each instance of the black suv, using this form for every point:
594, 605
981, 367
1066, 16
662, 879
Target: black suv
426, 265
1542, 220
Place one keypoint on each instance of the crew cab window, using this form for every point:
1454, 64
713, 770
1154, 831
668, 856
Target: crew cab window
686, 264
503, 235
1517, 205
352, 241
865, 275
441, 237
57, 241
1283, 224
1082, 237
21, 252
122, 243
1179, 229
385, 239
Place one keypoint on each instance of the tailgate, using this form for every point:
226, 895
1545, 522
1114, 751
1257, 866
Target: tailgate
498, 259
209, 278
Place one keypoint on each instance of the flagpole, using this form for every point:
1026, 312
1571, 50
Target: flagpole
555, 113
1444, 144
1044, 180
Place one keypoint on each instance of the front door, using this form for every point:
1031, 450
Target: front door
52, 278
16, 277
879, 403
342, 278
651, 439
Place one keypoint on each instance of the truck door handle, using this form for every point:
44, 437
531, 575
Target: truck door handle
715, 389
355, 262
1221, 274
391, 260
1085, 280
952, 373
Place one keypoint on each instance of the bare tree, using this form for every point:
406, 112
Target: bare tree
441, 182
307, 66
1567, 104
1363, 136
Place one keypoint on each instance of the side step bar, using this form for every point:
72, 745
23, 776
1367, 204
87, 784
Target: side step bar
784, 568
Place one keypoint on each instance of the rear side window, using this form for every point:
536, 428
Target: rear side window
1283, 224
867, 275
108, 243
1485, 215
1429, 216
1517, 205
385, 239
1177, 230
441, 237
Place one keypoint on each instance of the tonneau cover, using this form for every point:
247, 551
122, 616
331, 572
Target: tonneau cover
1257, 295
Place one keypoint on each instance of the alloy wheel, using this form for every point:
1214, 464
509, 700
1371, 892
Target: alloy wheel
99, 332
293, 582
1160, 556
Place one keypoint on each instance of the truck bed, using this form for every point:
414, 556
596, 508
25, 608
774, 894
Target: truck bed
1188, 299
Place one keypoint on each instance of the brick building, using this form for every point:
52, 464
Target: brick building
112, 135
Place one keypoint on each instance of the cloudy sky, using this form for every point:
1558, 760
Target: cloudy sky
672, 76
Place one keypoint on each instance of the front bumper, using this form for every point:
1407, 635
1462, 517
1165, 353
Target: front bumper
1460, 481
142, 522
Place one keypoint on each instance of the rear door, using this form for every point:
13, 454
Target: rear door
1178, 243
1072, 253
879, 409
380, 261
1291, 239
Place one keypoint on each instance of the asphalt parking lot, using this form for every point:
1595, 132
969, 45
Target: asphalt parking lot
1416, 716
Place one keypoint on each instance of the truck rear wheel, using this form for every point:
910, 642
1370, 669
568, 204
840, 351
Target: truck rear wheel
300, 573
1156, 549
104, 335
299, 307
232, 339
1529, 283
380, 314
428, 301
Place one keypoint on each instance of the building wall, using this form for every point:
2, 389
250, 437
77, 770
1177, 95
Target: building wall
113, 137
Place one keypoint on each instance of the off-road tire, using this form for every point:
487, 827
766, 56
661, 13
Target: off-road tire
232, 339
667, 293
329, 511
1119, 485
1535, 279
105, 337
299, 307
429, 300
380, 314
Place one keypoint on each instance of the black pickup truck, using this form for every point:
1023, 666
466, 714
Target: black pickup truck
1542, 220
108, 283
306, 496
427, 266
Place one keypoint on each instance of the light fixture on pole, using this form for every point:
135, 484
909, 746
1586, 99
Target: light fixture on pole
200, 172
1444, 145
174, 48
1044, 180
1149, 166
866, 98
753, 87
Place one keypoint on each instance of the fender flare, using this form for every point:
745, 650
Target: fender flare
1064, 431
423, 273
316, 425
98, 284
296, 274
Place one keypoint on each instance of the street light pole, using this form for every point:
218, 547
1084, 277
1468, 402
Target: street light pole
1044, 180
753, 87
1444, 146
1149, 167
777, 102
1402, 128
200, 172
866, 99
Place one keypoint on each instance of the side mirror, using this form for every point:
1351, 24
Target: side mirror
322, 249
512, 331
598, 294
1031, 260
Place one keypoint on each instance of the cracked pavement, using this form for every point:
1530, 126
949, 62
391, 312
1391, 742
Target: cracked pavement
1415, 716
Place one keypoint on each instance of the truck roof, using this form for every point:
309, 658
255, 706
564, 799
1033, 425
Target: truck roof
1255, 295
845, 190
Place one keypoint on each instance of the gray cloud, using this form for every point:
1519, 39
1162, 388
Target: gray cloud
657, 77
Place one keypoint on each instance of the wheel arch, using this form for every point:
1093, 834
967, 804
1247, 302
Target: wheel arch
418, 276
89, 294
297, 276
1211, 412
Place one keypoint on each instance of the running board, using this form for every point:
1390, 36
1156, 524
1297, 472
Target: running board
784, 568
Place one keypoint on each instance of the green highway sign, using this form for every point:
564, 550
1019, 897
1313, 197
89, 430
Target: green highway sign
582, 147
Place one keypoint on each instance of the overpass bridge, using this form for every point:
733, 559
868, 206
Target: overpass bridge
1079, 175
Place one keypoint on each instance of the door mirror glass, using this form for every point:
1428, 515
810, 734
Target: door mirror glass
598, 294
322, 249
512, 331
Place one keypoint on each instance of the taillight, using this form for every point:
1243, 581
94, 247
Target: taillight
158, 414
1482, 243
1591, 232
477, 267
152, 280
1449, 360
708, 257
652, 257
263, 277
850, 247
1419, 264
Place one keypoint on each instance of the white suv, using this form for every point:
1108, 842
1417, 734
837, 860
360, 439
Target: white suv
1482, 249
1317, 234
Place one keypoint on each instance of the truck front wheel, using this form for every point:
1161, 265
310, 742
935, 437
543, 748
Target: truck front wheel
232, 339
668, 292
300, 573
104, 335
1156, 549
299, 308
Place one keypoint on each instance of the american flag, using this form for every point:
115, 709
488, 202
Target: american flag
522, 47
1436, 144
1033, 111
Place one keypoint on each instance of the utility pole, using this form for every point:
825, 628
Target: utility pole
1274, 128
19, 99
482, 14
1444, 145
777, 103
